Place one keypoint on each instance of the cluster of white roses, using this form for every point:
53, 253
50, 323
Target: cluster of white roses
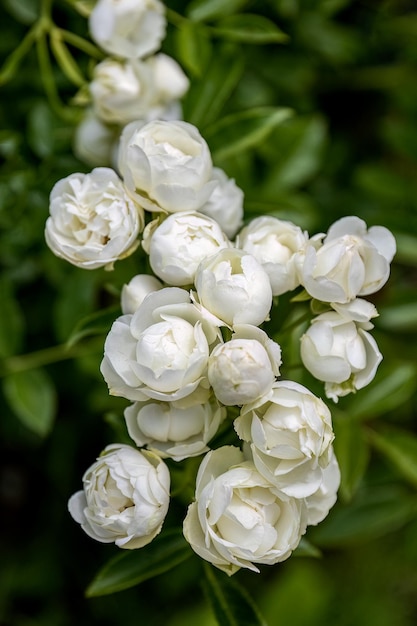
134, 83
189, 344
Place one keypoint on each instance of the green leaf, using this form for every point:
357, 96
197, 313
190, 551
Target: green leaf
193, 48
75, 302
297, 151
374, 512
41, 129
204, 10
97, 323
406, 248
208, 95
11, 321
305, 548
243, 130
134, 566
31, 395
400, 448
400, 317
230, 603
352, 452
24, 11
249, 28
394, 385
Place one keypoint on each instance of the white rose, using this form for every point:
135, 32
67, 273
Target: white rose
135, 291
290, 436
179, 243
167, 164
338, 351
244, 368
275, 244
225, 205
94, 142
232, 285
352, 261
161, 351
125, 497
172, 429
239, 518
322, 500
129, 29
93, 221
124, 91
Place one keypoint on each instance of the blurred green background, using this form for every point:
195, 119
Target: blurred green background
348, 69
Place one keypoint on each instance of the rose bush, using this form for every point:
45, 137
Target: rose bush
125, 497
93, 221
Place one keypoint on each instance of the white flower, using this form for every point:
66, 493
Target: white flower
125, 497
174, 429
167, 164
161, 351
322, 500
135, 291
179, 243
244, 368
337, 350
275, 244
129, 29
352, 261
128, 90
94, 142
290, 436
225, 205
93, 221
232, 285
238, 518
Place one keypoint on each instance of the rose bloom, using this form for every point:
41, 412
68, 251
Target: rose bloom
174, 429
232, 285
352, 261
127, 90
161, 351
337, 350
167, 164
244, 368
135, 291
130, 29
239, 518
275, 244
94, 141
225, 205
93, 221
179, 243
125, 497
290, 436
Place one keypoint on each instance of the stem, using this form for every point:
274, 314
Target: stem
14, 59
82, 44
47, 356
297, 322
175, 18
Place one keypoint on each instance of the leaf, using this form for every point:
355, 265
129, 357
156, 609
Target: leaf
231, 605
31, 395
97, 323
193, 48
249, 28
399, 318
204, 10
297, 152
406, 249
374, 512
393, 386
208, 95
352, 453
41, 129
135, 566
11, 321
243, 130
305, 548
75, 302
24, 11
400, 448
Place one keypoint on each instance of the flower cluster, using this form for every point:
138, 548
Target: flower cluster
188, 351
136, 82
